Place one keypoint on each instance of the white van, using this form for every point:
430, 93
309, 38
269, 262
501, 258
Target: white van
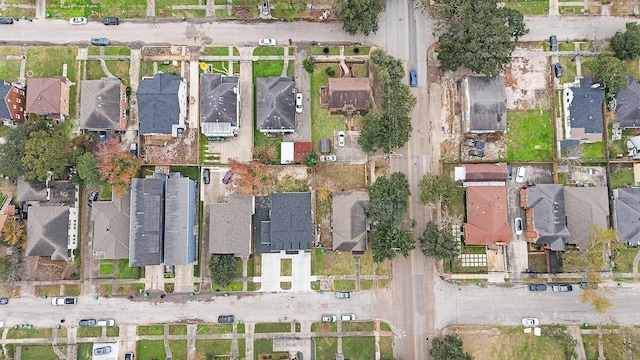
520, 174
298, 102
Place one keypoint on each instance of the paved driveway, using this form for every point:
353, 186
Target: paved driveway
300, 278
351, 152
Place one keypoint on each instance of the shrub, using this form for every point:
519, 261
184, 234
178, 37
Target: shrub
325, 50
330, 71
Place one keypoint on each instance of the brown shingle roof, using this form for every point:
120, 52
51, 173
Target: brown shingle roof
349, 93
45, 96
301, 150
486, 172
487, 221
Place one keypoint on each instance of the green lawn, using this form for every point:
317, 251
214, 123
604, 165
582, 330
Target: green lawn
319, 50
106, 269
113, 331
216, 51
39, 352
273, 328
530, 136
233, 286
214, 329
213, 348
332, 263
571, 10
455, 267
151, 350
178, 349
530, 7
85, 351
10, 70
150, 330
386, 347
285, 267
624, 260
192, 172
359, 348
590, 342
126, 272
47, 61
592, 151
344, 285
89, 331
326, 348
265, 69
268, 51
105, 289
362, 50
29, 333
358, 326
621, 178
72, 290
324, 327
177, 329
323, 124
569, 71
265, 347
73, 8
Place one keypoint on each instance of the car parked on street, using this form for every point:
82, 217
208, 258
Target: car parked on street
267, 42
329, 318
226, 319
517, 226
129, 356
111, 21
99, 41
328, 158
87, 322
227, 177
530, 321
63, 300
102, 350
4, 301
106, 322
557, 70
78, 21
537, 287
341, 136
206, 176
553, 42
562, 288
476, 153
343, 295
348, 317
413, 78
6, 21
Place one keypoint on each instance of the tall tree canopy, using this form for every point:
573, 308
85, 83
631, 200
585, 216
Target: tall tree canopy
389, 127
222, 268
476, 34
437, 243
88, 169
610, 71
435, 188
359, 15
627, 44
46, 151
448, 347
117, 168
12, 151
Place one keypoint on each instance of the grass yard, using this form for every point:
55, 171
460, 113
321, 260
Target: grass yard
10, 50
143, 330
386, 347
343, 177
113, 331
323, 124
332, 263
569, 71
39, 352
233, 286
362, 50
571, 10
621, 178
117, 51
590, 342
538, 263
324, 327
319, 50
213, 348
192, 172
565, 46
48, 290
268, 51
178, 349
624, 260
530, 7
72, 290
265, 69
85, 351
262, 347
105, 289
151, 349
359, 348
10, 70
358, 326
326, 348
216, 51
592, 151
106, 269
126, 272
35, 333
89, 331
530, 136
131, 289
455, 267
384, 326
47, 61
273, 328
214, 329
64, 9
285, 267
344, 285
177, 329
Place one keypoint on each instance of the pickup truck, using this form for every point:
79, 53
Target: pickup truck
59, 301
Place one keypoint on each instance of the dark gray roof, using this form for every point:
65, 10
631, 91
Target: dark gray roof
627, 206
585, 206
230, 226
349, 221
111, 227
62, 192
275, 102
291, 227
180, 221
218, 99
628, 105
48, 231
570, 148
158, 104
487, 104
147, 222
100, 104
31, 191
5, 88
261, 224
586, 107
547, 201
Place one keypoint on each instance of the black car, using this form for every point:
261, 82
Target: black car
226, 319
553, 42
537, 287
128, 356
111, 21
509, 172
4, 301
477, 153
557, 69
102, 350
87, 322
206, 176
92, 197
6, 21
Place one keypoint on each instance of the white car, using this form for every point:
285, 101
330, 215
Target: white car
106, 322
299, 102
530, 321
328, 158
348, 317
62, 300
341, 138
78, 21
517, 226
267, 42
520, 174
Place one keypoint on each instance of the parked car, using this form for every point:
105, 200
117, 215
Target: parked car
102, 350
78, 21
265, 7
227, 177
226, 319
343, 295
520, 174
588, 285
517, 226
509, 172
341, 136
475, 143
92, 197
62, 300
537, 287
87, 322
553, 41
111, 21
562, 288
530, 321
206, 176
4, 301
413, 78
329, 318
299, 102
6, 21
557, 69
476, 153
267, 42
129, 356
99, 41
328, 158
348, 317
106, 322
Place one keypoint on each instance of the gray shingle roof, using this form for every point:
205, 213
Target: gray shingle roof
111, 227
5, 88
487, 104
291, 227
586, 107
349, 220
547, 201
570, 148
62, 192
261, 224
218, 99
628, 105
147, 222
275, 102
627, 206
158, 104
48, 231
100, 104
230, 226
179, 221
585, 206
28, 191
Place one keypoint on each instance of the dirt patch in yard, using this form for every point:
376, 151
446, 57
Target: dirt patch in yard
173, 151
527, 83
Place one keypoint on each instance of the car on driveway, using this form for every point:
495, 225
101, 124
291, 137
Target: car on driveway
537, 287
102, 350
329, 318
413, 78
111, 21
517, 226
557, 70
92, 197
226, 319
343, 295
562, 288
265, 7
227, 177
99, 41
348, 317
476, 153
267, 42
62, 300
341, 136
553, 42
129, 356
520, 174
530, 321
299, 102
206, 176
87, 322
509, 172
78, 21
328, 158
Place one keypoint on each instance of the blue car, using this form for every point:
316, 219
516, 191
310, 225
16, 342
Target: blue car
413, 78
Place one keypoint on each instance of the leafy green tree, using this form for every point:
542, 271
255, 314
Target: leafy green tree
12, 151
448, 347
359, 15
388, 199
437, 243
44, 152
311, 160
307, 64
390, 127
88, 170
627, 44
14, 233
386, 242
610, 71
5, 268
478, 35
222, 268
435, 188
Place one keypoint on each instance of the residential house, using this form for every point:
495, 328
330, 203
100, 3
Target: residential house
627, 103
585, 207
31, 191
482, 174
103, 105
546, 220
484, 104
110, 221
275, 104
282, 222
569, 148
48, 97
230, 228
180, 226
627, 208
346, 95
349, 223
162, 104
294, 152
219, 105
487, 218
51, 230
583, 111
12, 108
